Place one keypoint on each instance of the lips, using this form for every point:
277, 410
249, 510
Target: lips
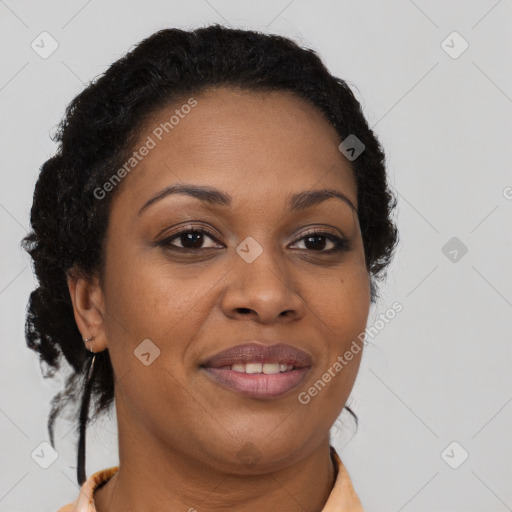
260, 380
254, 352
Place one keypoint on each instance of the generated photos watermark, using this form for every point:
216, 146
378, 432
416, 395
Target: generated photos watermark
157, 133
343, 360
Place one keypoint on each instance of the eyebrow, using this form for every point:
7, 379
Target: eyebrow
216, 197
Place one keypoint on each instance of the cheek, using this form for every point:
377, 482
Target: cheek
344, 310
144, 295
344, 304
151, 300
144, 302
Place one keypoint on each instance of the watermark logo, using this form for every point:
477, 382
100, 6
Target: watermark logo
351, 147
454, 455
146, 352
249, 454
454, 45
44, 45
249, 249
44, 455
454, 249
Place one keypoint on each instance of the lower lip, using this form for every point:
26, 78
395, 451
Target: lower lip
259, 385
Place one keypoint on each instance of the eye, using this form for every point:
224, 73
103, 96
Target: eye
191, 240
317, 240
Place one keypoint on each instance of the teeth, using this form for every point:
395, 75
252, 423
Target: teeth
253, 368
267, 368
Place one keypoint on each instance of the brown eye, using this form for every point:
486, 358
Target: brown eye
189, 240
317, 241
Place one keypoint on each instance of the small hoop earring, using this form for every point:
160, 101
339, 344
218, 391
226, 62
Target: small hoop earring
90, 338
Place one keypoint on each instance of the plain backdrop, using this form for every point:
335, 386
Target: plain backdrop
434, 394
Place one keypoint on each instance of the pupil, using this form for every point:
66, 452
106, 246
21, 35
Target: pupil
192, 238
315, 246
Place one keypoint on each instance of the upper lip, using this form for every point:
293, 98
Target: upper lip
254, 352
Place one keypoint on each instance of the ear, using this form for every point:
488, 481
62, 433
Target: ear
89, 308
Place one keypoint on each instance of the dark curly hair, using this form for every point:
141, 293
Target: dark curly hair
97, 135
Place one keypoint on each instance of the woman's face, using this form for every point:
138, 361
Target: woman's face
170, 302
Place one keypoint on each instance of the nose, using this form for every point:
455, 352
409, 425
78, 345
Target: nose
264, 290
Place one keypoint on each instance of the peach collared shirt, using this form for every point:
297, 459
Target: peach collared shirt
342, 498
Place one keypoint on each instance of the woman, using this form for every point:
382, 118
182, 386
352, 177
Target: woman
207, 241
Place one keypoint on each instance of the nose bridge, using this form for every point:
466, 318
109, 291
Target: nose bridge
261, 280
260, 260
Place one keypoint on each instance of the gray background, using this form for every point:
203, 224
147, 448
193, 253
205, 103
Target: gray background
440, 371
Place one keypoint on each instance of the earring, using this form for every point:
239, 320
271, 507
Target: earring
84, 413
90, 338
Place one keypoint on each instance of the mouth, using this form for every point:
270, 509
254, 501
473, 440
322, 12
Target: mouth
259, 371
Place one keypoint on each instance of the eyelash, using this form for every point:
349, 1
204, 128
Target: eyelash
340, 244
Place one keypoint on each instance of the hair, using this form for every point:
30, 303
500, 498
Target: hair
96, 135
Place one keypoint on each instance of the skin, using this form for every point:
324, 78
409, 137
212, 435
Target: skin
176, 425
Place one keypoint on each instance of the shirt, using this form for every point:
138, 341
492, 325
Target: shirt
342, 498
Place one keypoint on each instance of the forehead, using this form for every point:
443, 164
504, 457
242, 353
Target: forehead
250, 144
